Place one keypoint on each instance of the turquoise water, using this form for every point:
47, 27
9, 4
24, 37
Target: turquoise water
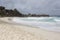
47, 23
42, 19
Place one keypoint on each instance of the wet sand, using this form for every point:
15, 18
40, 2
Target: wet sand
9, 31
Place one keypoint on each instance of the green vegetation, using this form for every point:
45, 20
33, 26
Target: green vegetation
15, 13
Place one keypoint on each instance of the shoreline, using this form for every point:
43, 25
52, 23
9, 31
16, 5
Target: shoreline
28, 32
23, 29
7, 20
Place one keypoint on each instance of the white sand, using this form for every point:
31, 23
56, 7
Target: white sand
10, 31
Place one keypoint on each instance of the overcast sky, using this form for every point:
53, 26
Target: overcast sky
51, 7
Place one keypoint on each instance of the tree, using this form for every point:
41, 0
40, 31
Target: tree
17, 13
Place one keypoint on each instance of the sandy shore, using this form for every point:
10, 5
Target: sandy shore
9, 31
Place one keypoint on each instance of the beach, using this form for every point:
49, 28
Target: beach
10, 31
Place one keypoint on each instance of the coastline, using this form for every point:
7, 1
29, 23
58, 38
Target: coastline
9, 29
28, 33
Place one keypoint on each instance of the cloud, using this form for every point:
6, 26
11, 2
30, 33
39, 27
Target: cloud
51, 7
9, 4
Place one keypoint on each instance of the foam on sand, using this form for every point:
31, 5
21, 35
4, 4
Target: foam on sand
10, 31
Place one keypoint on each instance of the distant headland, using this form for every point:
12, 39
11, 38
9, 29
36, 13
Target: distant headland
15, 13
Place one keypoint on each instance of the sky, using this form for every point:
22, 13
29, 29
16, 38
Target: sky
51, 7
